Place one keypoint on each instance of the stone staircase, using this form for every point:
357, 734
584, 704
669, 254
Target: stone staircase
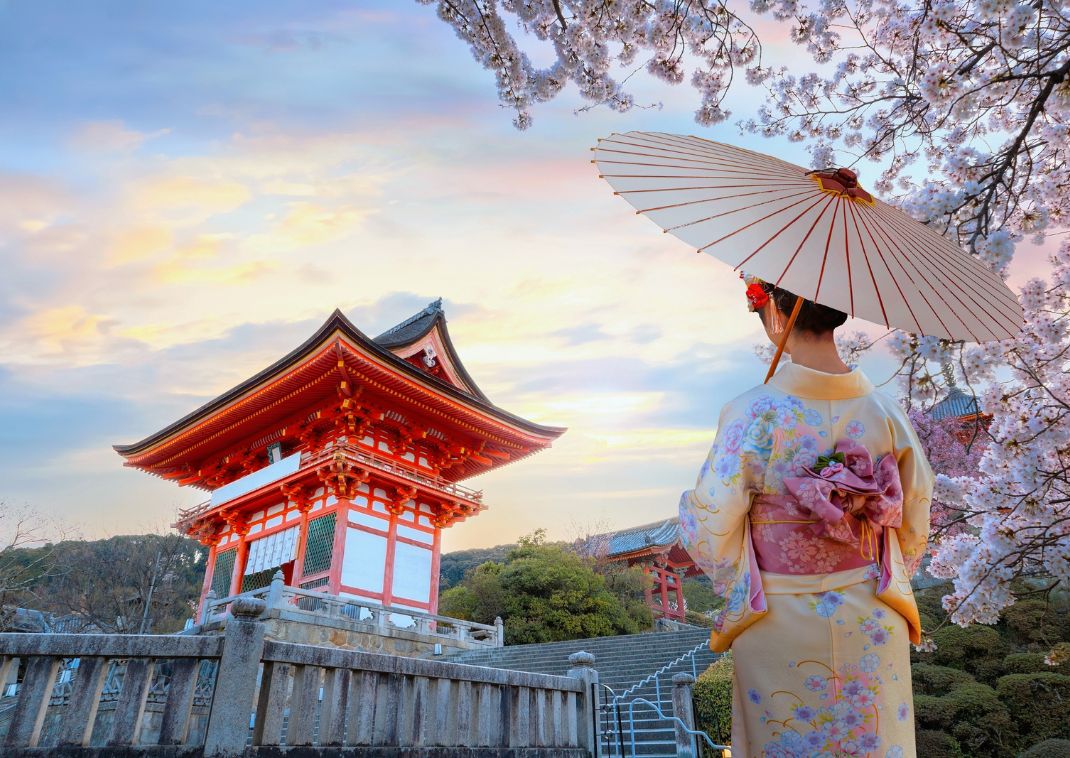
627, 664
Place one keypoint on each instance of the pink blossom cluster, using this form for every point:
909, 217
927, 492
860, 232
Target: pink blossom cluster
590, 38
1017, 504
964, 103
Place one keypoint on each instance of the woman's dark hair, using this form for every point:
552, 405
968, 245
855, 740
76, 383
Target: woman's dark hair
813, 317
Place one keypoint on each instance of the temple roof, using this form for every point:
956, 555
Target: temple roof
419, 325
388, 348
956, 404
653, 536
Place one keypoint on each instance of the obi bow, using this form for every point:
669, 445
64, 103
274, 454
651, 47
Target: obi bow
848, 483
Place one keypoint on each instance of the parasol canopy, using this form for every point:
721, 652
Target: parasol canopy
817, 234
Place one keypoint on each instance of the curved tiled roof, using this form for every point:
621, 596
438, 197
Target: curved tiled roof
654, 535
379, 347
955, 405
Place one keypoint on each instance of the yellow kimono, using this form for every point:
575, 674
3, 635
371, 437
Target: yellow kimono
810, 515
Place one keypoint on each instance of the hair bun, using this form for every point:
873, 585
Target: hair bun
813, 317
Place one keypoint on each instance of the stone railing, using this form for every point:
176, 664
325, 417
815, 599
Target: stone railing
385, 620
270, 695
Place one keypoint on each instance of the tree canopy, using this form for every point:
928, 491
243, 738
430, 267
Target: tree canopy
546, 592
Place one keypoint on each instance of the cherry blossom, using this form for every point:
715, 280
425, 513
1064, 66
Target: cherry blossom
963, 109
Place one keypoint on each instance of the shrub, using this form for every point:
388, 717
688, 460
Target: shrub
713, 700
1035, 622
968, 647
1040, 702
933, 744
1031, 663
930, 679
973, 714
1049, 749
982, 724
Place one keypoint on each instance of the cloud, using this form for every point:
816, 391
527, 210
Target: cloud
111, 136
185, 199
312, 224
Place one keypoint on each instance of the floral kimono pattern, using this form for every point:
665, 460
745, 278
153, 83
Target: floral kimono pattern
810, 515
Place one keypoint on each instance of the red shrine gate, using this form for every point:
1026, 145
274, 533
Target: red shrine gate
656, 548
340, 464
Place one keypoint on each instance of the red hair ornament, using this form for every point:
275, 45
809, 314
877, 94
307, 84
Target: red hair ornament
757, 297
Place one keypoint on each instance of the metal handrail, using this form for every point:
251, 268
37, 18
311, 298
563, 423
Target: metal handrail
664, 670
674, 718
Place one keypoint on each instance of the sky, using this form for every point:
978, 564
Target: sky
187, 190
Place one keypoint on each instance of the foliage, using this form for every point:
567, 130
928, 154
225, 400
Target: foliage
1040, 702
545, 592
935, 744
126, 584
21, 565
713, 700
699, 595
990, 690
453, 566
932, 679
1049, 749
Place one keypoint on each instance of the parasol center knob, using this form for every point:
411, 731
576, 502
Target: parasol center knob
848, 177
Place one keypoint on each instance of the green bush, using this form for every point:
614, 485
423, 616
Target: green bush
1048, 749
982, 724
713, 700
1035, 622
930, 679
1031, 663
968, 647
970, 712
546, 592
1040, 702
933, 744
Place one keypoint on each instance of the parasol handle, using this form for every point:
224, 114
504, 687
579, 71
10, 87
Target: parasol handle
784, 338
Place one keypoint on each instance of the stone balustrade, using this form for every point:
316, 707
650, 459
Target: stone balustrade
269, 696
386, 621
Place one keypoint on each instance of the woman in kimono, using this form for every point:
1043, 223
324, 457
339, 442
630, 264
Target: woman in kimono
810, 516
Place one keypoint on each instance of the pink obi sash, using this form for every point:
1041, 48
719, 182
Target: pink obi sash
832, 518
834, 522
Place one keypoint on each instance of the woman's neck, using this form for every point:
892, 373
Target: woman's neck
818, 353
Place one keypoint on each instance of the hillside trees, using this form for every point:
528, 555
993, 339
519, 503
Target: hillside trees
127, 584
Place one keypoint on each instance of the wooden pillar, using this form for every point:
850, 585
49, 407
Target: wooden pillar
212, 543
341, 522
242, 530
664, 579
680, 612
302, 541
436, 554
388, 567
648, 590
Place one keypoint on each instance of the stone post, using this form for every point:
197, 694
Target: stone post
683, 708
211, 596
232, 705
274, 598
588, 716
499, 630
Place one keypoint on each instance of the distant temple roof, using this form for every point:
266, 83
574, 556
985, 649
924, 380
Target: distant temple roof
956, 404
388, 348
654, 536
